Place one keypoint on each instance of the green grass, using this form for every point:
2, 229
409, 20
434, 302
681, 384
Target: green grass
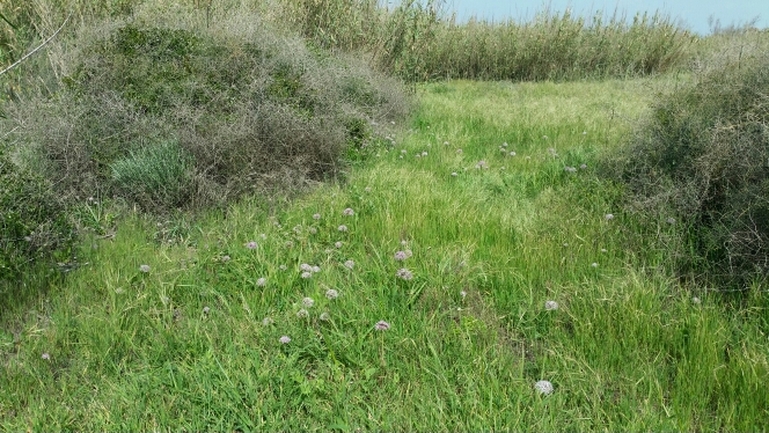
184, 345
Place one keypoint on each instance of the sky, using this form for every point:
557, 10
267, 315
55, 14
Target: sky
691, 14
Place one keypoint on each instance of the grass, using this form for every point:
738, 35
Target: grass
186, 345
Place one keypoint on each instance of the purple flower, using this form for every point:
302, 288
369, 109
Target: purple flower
348, 212
482, 164
261, 282
285, 339
404, 274
46, 356
382, 326
349, 264
144, 268
251, 245
308, 302
225, 259
338, 244
306, 274
302, 313
401, 255
332, 294
305, 267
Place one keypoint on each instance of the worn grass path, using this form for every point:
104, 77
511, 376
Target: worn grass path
457, 234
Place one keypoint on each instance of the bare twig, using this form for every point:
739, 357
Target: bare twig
26, 56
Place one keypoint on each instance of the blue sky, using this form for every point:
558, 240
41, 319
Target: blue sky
693, 14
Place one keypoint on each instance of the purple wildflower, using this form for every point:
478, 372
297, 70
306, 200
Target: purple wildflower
404, 274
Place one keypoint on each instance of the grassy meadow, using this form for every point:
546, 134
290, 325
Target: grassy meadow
411, 295
326, 215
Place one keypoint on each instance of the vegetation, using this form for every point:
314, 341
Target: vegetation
700, 159
34, 224
269, 239
195, 341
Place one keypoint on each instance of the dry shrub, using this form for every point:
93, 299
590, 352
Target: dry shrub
703, 154
254, 110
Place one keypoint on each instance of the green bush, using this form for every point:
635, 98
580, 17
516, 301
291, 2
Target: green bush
33, 222
703, 158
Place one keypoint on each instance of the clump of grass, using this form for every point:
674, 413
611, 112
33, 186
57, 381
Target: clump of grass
248, 109
158, 175
699, 161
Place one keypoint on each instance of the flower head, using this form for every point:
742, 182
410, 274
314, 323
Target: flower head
348, 212
144, 268
342, 228
46, 356
325, 317
302, 313
551, 305
206, 310
544, 387
401, 255
267, 321
316, 216
285, 339
609, 217
332, 294
404, 274
251, 245
382, 326
306, 275
308, 302
338, 244
261, 282
349, 264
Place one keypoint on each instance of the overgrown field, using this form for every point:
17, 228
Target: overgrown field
288, 215
414, 296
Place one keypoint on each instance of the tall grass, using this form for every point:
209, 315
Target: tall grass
192, 340
558, 46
